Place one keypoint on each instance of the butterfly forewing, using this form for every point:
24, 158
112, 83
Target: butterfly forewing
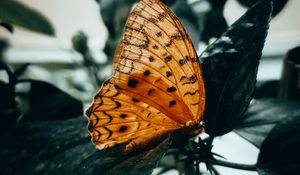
156, 86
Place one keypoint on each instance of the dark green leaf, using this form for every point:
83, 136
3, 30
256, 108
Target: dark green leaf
15, 13
9, 111
217, 4
230, 67
127, 164
2, 66
262, 116
170, 3
7, 26
266, 89
278, 5
47, 102
79, 42
3, 46
214, 25
21, 70
279, 153
56, 147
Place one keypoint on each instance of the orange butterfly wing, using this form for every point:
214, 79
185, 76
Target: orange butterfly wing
156, 86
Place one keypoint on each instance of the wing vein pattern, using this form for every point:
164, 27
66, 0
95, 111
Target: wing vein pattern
156, 86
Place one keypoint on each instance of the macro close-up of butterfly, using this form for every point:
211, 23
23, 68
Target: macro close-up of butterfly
156, 87
150, 87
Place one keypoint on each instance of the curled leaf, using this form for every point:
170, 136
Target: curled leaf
230, 67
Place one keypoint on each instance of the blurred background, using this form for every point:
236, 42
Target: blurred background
68, 17
72, 46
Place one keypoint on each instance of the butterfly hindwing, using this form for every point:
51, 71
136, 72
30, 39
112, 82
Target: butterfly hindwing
116, 118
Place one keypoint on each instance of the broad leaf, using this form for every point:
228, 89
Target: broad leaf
278, 5
47, 102
45, 147
128, 164
214, 25
279, 153
263, 115
230, 67
16, 13
64, 147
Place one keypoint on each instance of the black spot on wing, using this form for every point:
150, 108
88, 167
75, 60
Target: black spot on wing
171, 89
135, 100
168, 74
168, 58
147, 72
123, 116
158, 34
122, 128
150, 91
182, 62
117, 87
132, 82
155, 47
172, 103
151, 59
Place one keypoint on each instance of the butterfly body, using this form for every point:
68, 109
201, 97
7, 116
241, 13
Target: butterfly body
156, 87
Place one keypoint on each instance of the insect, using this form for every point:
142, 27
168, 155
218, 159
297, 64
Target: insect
156, 87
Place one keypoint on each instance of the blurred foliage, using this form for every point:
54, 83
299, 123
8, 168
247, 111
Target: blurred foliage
7, 26
204, 17
80, 44
15, 13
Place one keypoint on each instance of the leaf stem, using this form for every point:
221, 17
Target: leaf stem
234, 165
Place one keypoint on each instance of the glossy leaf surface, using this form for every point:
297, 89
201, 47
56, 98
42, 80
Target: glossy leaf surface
279, 153
230, 67
262, 116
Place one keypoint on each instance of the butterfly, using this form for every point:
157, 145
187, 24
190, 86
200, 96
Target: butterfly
156, 87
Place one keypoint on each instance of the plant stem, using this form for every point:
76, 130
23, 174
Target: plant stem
234, 165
